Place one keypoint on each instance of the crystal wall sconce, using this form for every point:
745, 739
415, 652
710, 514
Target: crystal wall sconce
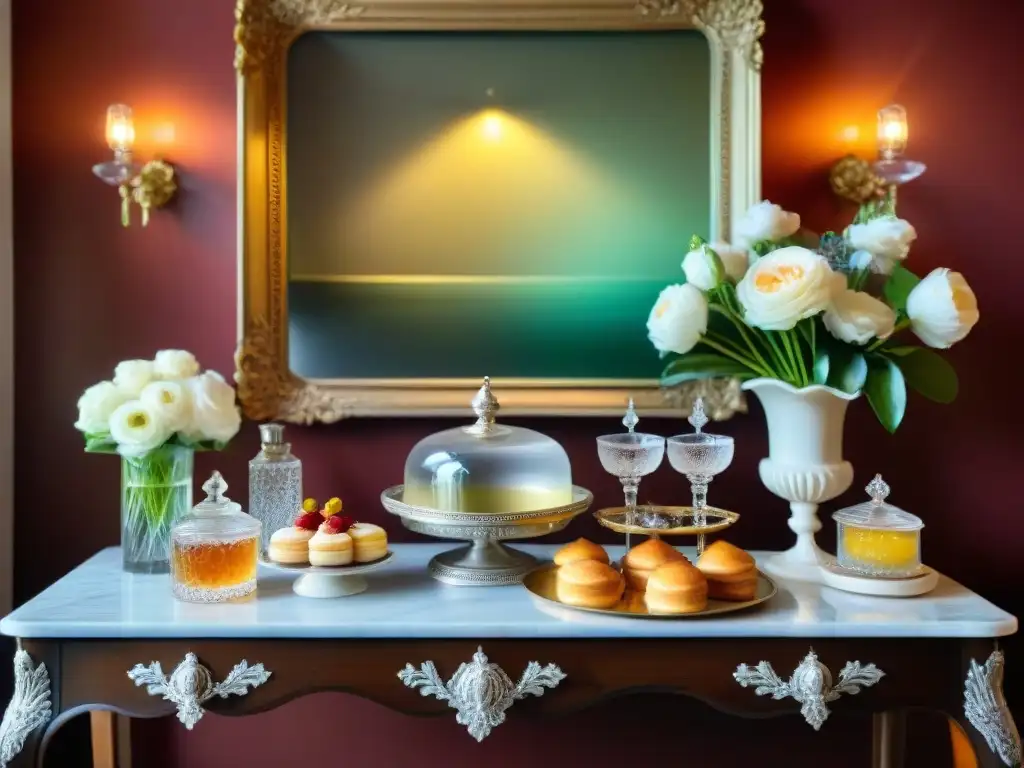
149, 186
861, 181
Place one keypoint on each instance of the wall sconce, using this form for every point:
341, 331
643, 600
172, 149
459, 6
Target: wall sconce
150, 186
860, 181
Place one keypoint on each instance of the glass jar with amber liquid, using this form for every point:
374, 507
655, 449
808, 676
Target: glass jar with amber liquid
877, 539
214, 549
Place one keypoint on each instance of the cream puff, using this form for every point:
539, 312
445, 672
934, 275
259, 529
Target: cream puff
642, 560
731, 572
331, 546
290, 546
589, 584
677, 587
581, 549
371, 542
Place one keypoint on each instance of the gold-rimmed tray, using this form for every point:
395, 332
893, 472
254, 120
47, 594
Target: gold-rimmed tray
715, 520
541, 586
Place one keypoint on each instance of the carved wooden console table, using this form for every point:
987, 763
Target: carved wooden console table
99, 639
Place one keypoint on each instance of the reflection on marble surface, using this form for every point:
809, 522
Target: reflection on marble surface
98, 600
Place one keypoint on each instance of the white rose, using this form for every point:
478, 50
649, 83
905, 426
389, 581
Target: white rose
857, 317
887, 239
699, 272
137, 429
678, 320
131, 376
214, 413
95, 406
784, 287
766, 221
942, 308
170, 399
175, 364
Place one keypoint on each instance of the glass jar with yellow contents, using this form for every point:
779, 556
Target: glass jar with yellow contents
878, 539
214, 549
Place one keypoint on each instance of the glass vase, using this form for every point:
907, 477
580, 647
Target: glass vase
156, 491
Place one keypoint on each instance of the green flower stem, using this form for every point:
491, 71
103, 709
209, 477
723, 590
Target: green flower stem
737, 321
790, 375
798, 353
814, 340
739, 358
901, 325
155, 491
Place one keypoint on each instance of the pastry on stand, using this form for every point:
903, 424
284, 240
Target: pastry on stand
878, 549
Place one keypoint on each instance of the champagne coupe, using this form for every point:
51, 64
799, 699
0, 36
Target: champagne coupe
700, 457
630, 456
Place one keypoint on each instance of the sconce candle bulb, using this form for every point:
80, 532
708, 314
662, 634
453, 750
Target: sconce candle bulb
120, 130
892, 131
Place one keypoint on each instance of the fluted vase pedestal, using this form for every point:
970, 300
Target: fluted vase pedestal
805, 465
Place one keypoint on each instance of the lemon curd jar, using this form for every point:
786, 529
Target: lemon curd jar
214, 549
878, 539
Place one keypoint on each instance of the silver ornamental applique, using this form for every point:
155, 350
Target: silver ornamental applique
985, 708
481, 692
29, 708
190, 685
810, 685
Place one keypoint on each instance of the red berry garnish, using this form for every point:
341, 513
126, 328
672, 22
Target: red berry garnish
339, 523
308, 520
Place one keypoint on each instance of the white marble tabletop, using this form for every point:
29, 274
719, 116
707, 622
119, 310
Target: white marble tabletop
98, 600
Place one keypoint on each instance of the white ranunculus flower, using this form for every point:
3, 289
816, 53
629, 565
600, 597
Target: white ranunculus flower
942, 308
171, 400
678, 320
887, 239
137, 429
95, 406
766, 221
857, 317
131, 376
214, 413
784, 287
698, 268
175, 364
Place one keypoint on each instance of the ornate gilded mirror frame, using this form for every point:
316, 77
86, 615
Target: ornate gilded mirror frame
263, 33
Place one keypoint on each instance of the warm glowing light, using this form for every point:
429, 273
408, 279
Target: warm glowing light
850, 134
892, 131
491, 126
120, 128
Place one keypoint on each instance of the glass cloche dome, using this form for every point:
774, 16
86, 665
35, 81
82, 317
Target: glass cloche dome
487, 468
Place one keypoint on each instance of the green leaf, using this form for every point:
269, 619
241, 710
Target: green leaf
100, 442
848, 370
696, 242
886, 391
899, 351
928, 373
702, 365
898, 287
821, 365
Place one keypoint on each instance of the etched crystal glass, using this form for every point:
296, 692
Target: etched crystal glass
214, 549
630, 456
700, 457
156, 491
275, 483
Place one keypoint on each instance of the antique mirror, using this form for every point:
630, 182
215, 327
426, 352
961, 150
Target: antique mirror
435, 191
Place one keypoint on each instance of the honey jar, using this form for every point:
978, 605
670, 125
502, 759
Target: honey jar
214, 549
877, 539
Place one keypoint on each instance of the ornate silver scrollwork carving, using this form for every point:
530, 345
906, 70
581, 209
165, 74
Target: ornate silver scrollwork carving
985, 708
810, 685
190, 685
28, 709
481, 692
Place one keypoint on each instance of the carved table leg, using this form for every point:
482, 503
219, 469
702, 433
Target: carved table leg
985, 717
29, 711
888, 740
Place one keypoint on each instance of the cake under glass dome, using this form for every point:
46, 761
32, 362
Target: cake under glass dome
486, 483
487, 468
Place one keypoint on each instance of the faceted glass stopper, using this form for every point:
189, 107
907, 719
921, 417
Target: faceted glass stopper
697, 416
878, 489
630, 420
272, 434
215, 487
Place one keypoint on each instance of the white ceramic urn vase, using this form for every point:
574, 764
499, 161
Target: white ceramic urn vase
805, 464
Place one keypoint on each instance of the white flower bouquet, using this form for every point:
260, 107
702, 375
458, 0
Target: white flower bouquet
156, 414
833, 313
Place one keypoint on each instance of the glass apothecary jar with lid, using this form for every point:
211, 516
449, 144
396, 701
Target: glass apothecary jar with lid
875, 538
214, 549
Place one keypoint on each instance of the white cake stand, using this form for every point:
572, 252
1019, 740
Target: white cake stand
320, 581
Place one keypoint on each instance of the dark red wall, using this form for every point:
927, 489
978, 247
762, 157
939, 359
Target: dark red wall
89, 293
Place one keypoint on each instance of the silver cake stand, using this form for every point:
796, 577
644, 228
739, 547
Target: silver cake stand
485, 561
